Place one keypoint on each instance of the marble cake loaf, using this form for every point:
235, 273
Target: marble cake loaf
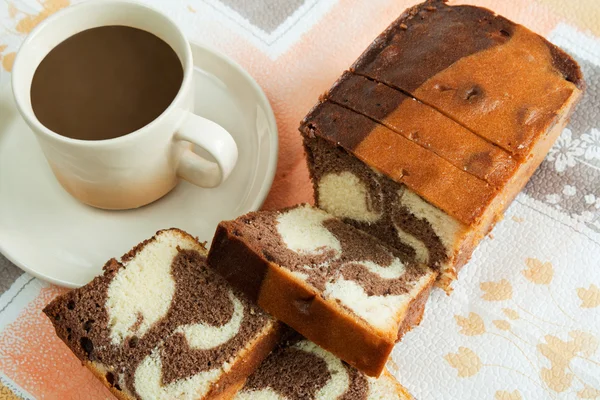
299, 369
336, 285
433, 131
159, 324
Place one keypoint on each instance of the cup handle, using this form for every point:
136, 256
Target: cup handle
213, 138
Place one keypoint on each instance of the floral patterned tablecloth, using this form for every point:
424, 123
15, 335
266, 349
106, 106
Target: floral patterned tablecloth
524, 319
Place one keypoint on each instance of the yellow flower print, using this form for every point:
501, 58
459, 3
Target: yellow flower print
560, 353
538, 272
30, 21
557, 379
590, 298
471, 326
505, 395
510, 313
12, 10
8, 60
465, 361
586, 343
502, 325
588, 392
496, 291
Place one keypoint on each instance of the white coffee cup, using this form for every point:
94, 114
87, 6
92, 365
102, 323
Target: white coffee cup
138, 168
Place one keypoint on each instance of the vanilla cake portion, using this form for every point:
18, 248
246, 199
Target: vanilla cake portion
159, 324
336, 285
299, 369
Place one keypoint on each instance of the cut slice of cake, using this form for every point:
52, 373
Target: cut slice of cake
336, 285
159, 324
437, 127
299, 369
497, 78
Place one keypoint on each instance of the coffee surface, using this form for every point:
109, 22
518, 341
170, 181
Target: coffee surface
105, 82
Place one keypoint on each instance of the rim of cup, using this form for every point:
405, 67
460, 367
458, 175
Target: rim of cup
27, 112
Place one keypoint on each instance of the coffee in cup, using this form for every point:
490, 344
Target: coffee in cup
105, 82
107, 88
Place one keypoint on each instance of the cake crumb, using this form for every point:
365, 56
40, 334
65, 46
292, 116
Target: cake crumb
403, 26
517, 219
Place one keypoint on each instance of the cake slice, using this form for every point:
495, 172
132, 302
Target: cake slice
497, 78
159, 324
436, 128
336, 285
299, 369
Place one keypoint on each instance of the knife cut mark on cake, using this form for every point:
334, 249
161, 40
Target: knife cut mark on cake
463, 44
422, 125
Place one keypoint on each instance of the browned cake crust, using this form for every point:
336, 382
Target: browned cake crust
457, 192
81, 319
248, 263
497, 78
424, 126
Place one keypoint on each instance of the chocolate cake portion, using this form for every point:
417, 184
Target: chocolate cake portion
306, 267
160, 324
433, 36
497, 78
300, 370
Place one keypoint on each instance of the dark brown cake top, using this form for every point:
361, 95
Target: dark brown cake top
423, 125
431, 36
503, 82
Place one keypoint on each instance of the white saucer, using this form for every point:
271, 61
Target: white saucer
49, 234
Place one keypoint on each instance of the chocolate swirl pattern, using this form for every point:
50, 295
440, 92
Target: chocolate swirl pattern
371, 292
303, 370
141, 294
187, 335
406, 221
304, 266
149, 378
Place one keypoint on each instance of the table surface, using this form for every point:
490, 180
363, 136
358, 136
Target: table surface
524, 319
